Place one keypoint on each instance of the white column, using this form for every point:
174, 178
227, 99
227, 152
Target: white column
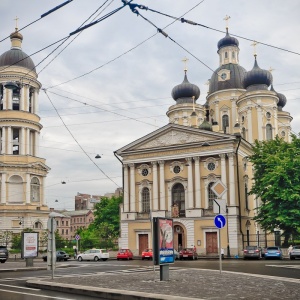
233, 114
249, 119
26, 97
3, 188
155, 186
22, 143
217, 112
223, 174
36, 143
197, 182
9, 140
190, 183
28, 152
162, 198
42, 191
9, 99
27, 193
3, 143
5, 95
275, 132
132, 188
206, 194
259, 124
231, 180
22, 98
35, 102
126, 189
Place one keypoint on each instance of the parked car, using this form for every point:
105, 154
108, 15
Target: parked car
147, 254
176, 254
125, 254
273, 252
94, 254
295, 252
262, 251
252, 252
189, 253
3, 254
60, 256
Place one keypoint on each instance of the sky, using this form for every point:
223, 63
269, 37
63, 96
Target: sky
112, 84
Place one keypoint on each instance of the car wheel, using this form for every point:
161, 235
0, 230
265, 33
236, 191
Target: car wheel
65, 259
2, 261
292, 257
80, 258
96, 258
44, 259
104, 259
143, 258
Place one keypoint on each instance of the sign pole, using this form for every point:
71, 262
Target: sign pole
220, 249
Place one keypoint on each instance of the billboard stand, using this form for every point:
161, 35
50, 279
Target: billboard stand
163, 247
30, 247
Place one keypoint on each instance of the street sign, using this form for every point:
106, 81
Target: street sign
219, 188
77, 237
219, 206
220, 221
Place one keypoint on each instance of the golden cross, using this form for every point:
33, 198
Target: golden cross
16, 19
185, 60
227, 20
254, 44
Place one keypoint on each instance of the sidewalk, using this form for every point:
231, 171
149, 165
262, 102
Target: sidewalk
184, 284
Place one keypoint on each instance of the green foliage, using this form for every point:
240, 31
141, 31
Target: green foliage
5, 237
277, 184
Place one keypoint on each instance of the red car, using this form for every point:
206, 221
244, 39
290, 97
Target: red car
188, 253
125, 254
147, 254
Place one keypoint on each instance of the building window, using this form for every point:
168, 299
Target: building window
145, 200
225, 122
62, 223
269, 132
16, 99
233, 55
16, 141
243, 133
38, 225
145, 172
67, 223
283, 133
1, 96
67, 231
211, 166
211, 196
62, 231
246, 197
176, 169
178, 198
35, 190
226, 55
268, 115
15, 189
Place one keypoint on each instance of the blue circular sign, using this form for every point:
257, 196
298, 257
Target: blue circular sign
220, 221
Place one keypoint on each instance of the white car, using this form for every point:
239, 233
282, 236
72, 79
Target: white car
94, 254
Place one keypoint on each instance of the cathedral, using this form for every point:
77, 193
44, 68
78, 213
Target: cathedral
23, 171
172, 172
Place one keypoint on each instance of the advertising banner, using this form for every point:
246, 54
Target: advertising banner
163, 241
30, 244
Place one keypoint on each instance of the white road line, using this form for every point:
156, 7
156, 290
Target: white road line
36, 295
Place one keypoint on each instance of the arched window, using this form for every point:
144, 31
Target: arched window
145, 200
38, 225
15, 189
211, 196
225, 122
16, 98
269, 132
178, 198
35, 190
226, 55
16, 141
233, 55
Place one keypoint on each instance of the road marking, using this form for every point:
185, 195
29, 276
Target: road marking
285, 266
36, 295
17, 287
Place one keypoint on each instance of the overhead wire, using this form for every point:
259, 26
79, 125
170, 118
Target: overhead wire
78, 142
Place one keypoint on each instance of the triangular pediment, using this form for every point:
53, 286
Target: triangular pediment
174, 135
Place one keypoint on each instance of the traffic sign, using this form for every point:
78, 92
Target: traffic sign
220, 221
77, 237
219, 188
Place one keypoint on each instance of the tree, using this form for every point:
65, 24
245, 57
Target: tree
277, 184
107, 213
6, 237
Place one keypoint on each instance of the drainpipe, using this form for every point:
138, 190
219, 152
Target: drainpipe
238, 186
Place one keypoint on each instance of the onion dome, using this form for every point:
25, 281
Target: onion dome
257, 78
184, 92
227, 41
205, 126
15, 56
282, 99
235, 80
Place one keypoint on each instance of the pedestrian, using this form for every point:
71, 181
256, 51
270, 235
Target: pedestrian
195, 250
222, 253
290, 249
75, 253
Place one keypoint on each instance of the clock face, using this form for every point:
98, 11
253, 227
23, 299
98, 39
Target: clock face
223, 76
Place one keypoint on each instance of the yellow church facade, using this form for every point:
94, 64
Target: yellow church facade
171, 172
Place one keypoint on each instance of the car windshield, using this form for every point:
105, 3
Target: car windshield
148, 250
123, 250
273, 248
296, 247
251, 247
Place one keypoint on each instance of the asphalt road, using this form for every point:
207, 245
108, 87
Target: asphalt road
12, 284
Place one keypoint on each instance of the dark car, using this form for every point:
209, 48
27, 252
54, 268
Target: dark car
188, 253
60, 256
3, 254
252, 252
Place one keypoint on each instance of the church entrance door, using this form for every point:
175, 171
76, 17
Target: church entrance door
143, 242
211, 243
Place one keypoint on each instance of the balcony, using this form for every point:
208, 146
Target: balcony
143, 216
